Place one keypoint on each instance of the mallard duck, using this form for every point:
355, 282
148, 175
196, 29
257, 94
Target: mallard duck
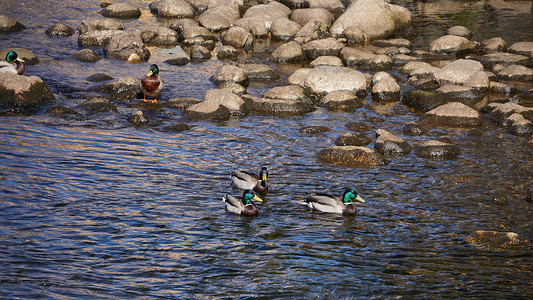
152, 84
246, 180
12, 64
244, 206
331, 204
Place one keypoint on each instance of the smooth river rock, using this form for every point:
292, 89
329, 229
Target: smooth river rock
353, 139
60, 30
122, 88
172, 9
437, 150
8, 24
326, 79
452, 44
122, 45
453, 114
22, 94
389, 144
352, 156
121, 10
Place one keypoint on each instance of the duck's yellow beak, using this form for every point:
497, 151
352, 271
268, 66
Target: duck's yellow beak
256, 198
20, 59
150, 73
264, 177
358, 198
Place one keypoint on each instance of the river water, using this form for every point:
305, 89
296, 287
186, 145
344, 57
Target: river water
95, 208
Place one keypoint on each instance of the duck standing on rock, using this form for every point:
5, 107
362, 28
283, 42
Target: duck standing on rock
12, 64
246, 180
331, 204
244, 206
152, 84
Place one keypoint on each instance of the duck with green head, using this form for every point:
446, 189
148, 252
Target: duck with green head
12, 64
246, 180
152, 84
243, 206
330, 204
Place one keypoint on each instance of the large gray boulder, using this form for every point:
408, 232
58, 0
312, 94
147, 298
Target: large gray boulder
172, 9
19, 93
453, 114
377, 18
122, 45
326, 79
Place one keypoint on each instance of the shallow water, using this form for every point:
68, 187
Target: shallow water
99, 209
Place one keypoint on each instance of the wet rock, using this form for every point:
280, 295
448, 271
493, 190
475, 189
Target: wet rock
354, 57
96, 38
341, 100
314, 30
305, 15
353, 156
284, 29
503, 111
122, 88
423, 100
97, 105
199, 53
333, 6
326, 79
493, 45
459, 31
376, 17
255, 26
399, 43
172, 9
99, 25
282, 101
182, 102
19, 93
219, 17
414, 129
522, 48
259, 72
504, 59
178, 61
138, 118
326, 61
177, 127
215, 98
437, 150
238, 37
122, 10
322, 47
518, 125
385, 88
357, 126
411, 67
8, 24
200, 41
389, 144
479, 83
298, 77
60, 110
453, 114
289, 52
314, 129
452, 44
287, 92
268, 12
475, 132
163, 36
25, 54
353, 139
123, 44
295, 4
355, 36
516, 73
99, 77
227, 74
458, 93
205, 112
59, 30
380, 62
189, 29
86, 55
234, 88
494, 238
458, 72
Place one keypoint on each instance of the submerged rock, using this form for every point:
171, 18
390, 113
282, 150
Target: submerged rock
20, 93
494, 238
414, 129
138, 118
313, 129
423, 100
437, 149
357, 126
454, 114
353, 156
97, 105
122, 88
86, 55
60, 30
353, 139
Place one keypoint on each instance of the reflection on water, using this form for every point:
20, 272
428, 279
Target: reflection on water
100, 209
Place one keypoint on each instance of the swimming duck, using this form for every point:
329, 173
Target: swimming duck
152, 84
12, 64
244, 206
246, 180
331, 204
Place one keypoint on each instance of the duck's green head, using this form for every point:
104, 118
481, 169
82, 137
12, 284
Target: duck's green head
12, 56
263, 174
350, 195
154, 69
248, 196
